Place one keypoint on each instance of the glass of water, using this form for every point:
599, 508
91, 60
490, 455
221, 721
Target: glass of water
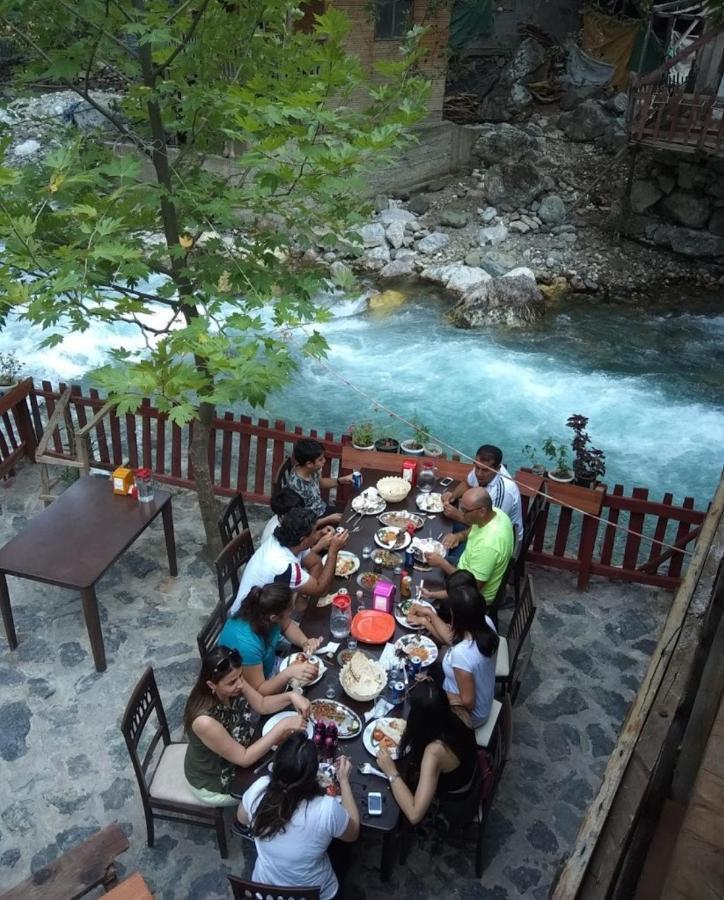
366, 551
330, 692
351, 643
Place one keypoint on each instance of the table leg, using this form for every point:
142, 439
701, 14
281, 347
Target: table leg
7, 613
389, 853
93, 624
167, 513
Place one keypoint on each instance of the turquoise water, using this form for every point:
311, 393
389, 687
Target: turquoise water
652, 383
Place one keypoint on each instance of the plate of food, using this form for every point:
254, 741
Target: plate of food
385, 732
422, 546
401, 519
403, 608
431, 503
347, 721
344, 656
347, 564
368, 504
392, 538
386, 558
278, 717
363, 678
302, 657
368, 580
418, 645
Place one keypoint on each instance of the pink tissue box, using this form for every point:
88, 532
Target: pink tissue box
383, 596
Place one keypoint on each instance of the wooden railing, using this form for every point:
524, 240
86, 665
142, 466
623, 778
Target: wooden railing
17, 435
244, 455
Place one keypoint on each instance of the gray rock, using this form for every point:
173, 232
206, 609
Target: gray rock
9, 858
396, 234
692, 178
493, 234
420, 204
519, 227
505, 142
474, 258
618, 103
398, 268
584, 123
512, 185
396, 214
690, 210
15, 718
488, 214
666, 182
373, 235
696, 243
376, 257
27, 148
660, 233
340, 272
454, 218
540, 837
456, 277
716, 223
433, 242
552, 209
497, 263
528, 56
508, 301
521, 272
644, 194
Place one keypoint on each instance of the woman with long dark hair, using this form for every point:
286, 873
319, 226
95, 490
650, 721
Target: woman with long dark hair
293, 821
220, 725
468, 664
255, 631
440, 759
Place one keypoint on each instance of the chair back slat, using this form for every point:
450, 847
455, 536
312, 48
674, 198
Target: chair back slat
253, 890
208, 636
144, 702
228, 563
281, 474
234, 520
520, 624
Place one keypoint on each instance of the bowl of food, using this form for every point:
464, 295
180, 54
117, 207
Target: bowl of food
393, 489
362, 678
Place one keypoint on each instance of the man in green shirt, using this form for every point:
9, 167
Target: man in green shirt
489, 546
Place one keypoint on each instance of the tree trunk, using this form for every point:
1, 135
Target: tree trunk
199, 454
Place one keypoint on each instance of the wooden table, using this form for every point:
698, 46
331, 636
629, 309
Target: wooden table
315, 623
133, 888
74, 541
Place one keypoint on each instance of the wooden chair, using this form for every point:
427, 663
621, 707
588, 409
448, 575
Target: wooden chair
506, 664
500, 752
535, 509
234, 520
493, 608
208, 636
228, 563
253, 890
280, 475
165, 793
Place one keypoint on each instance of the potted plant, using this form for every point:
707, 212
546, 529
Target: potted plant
531, 454
432, 449
559, 467
9, 371
363, 436
589, 463
415, 446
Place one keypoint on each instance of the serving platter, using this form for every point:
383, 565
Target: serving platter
418, 645
347, 721
392, 538
375, 727
302, 657
400, 518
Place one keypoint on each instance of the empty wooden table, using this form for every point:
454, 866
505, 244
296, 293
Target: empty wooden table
74, 541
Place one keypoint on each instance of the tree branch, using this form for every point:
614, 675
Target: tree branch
161, 67
111, 37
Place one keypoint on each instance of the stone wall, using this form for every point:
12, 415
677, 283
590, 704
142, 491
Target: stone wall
678, 204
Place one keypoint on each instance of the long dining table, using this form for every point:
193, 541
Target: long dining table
315, 622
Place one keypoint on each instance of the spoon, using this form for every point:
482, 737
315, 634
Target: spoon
367, 769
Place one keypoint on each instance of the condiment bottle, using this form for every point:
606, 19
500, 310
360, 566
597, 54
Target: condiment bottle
319, 738
330, 741
405, 585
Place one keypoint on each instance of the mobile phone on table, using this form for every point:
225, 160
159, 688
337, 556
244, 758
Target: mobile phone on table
374, 803
446, 482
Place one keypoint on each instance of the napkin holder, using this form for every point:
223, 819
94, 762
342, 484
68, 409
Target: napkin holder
409, 471
383, 596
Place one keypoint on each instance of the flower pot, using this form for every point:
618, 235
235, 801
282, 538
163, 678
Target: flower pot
433, 450
387, 445
361, 447
5, 388
586, 480
562, 479
411, 448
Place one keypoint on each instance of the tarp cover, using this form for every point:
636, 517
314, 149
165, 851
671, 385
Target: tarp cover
469, 19
610, 40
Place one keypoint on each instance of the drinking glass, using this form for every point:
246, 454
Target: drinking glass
366, 551
426, 479
330, 692
351, 643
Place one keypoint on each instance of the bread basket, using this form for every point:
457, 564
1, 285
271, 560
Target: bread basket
393, 488
350, 688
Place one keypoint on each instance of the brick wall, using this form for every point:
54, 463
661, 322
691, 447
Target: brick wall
432, 14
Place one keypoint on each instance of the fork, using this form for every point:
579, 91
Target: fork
367, 769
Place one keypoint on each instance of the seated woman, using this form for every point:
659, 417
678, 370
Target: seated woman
441, 760
256, 629
469, 663
293, 821
304, 476
219, 721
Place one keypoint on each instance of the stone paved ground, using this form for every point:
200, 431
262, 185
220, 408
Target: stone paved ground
65, 769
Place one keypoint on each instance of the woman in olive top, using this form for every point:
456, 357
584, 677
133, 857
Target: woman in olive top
219, 721
255, 631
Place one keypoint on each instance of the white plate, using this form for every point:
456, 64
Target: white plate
421, 546
345, 554
418, 640
360, 504
345, 721
288, 660
278, 717
371, 746
403, 619
398, 531
431, 503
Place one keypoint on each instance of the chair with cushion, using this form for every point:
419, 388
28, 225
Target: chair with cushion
208, 636
228, 563
165, 793
506, 664
234, 520
253, 890
499, 752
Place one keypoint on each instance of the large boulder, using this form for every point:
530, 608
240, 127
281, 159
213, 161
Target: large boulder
644, 194
528, 56
433, 242
373, 235
456, 277
552, 210
420, 204
493, 234
374, 258
690, 242
512, 185
584, 123
454, 218
691, 210
512, 301
396, 234
396, 214
398, 268
505, 142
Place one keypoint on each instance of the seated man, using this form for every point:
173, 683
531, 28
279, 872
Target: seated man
283, 502
489, 472
304, 476
489, 545
279, 559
